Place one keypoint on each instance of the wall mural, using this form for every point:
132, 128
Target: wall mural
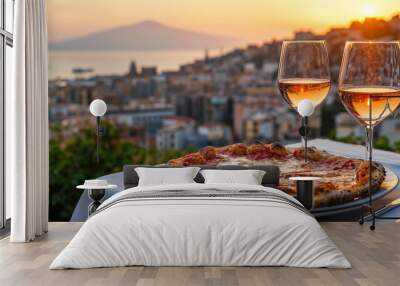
171, 91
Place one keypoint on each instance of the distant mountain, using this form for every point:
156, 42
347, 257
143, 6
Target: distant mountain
147, 35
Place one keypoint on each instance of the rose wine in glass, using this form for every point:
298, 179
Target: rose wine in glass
383, 100
295, 90
369, 87
304, 74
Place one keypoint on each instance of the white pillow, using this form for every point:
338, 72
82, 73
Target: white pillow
166, 176
248, 177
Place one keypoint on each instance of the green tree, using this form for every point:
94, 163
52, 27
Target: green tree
396, 146
382, 143
73, 159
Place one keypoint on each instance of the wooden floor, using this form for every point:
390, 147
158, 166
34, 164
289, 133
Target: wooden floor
375, 257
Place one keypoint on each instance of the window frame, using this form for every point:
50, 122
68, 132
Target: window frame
6, 39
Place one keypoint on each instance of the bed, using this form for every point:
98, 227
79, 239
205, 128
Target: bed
197, 224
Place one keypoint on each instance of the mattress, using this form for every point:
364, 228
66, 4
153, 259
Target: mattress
201, 225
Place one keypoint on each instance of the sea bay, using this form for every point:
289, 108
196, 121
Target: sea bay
106, 62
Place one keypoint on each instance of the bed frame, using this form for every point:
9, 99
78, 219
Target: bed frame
271, 178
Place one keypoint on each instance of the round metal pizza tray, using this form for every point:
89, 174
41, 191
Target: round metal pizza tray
389, 184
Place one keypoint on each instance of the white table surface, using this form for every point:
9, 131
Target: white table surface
351, 150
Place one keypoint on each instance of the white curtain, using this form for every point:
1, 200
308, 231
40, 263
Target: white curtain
27, 124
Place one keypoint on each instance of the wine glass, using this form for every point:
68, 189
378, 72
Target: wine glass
369, 87
369, 80
304, 74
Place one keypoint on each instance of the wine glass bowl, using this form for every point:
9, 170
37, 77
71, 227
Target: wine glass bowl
369, 80
304, 72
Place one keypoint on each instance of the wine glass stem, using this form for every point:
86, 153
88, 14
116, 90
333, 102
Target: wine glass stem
369, 138
305, 122
369, 144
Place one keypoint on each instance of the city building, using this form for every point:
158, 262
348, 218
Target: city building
270, 125
346, 125
178, 132
390, 128
151, 119
217, 134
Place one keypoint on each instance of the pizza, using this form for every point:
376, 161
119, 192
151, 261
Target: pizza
341, 180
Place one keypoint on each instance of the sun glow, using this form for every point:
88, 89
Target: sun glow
252, 20
369, 10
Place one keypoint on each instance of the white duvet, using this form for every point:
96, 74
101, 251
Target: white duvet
200, 231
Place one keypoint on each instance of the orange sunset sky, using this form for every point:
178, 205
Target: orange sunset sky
249, 20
